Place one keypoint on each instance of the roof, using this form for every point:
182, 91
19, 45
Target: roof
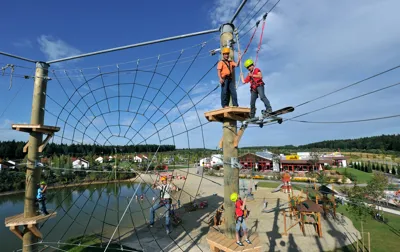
262, 155
284, 161
308, 206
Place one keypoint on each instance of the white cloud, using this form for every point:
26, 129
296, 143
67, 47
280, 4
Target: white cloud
56, 48
316, 47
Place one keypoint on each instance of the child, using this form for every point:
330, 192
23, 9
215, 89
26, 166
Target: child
256, 87
41, 197
240, 222
225, 67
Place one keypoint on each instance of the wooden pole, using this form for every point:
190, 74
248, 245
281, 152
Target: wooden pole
231, 175
35, 140
369, 242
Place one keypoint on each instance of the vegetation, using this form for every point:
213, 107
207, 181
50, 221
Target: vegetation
13, 149
89, 243
355, 175
384, 235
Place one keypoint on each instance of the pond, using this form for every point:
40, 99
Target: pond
82, 210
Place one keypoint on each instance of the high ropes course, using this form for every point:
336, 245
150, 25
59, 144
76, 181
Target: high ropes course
138, 103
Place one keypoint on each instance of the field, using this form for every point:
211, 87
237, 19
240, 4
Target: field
384, 236
362, 177
381, 158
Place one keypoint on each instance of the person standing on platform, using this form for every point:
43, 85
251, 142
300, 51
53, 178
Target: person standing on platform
225, 75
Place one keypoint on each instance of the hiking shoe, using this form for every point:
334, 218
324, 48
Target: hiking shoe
248, 241
168, 231
239, 243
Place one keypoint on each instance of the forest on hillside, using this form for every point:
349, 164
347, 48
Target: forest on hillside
382, 143
14, 149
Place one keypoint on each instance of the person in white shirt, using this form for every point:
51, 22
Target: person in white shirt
165, 201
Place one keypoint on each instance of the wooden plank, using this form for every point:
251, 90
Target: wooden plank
35, 127
217, 240
19, 220
234, 113
16, 231
35, 231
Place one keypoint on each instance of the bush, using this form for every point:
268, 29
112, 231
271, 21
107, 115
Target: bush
393, 171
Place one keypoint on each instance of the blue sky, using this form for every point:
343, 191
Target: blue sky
309, 49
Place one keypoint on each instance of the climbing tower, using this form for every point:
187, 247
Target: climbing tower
29, 219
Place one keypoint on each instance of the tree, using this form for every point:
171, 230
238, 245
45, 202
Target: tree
314, 159
387, 168
393, 170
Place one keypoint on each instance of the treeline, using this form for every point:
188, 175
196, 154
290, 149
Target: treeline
14, 149
383, 143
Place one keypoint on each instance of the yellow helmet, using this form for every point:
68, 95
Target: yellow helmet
163, 178
226, 50
248, 63
234, 197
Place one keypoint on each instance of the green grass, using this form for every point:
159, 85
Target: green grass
384, 237
268, 184
88, 243
362, 177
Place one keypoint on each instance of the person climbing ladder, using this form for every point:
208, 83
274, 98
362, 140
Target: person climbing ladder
165, 201
225, 68
256, 87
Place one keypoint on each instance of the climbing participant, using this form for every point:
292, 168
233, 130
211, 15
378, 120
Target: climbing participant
165, 201
256, 87
225, 68
240, 209
41, 197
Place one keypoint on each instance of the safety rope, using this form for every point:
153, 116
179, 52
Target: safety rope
261, 38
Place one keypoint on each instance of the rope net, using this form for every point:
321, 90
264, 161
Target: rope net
132, 115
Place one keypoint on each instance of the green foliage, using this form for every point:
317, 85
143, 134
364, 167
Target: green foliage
356, 206
383, 142
376, 186
394, 170
13, 149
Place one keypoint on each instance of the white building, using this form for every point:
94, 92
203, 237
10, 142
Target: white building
217, 160
80, 163
100, 160
139, 158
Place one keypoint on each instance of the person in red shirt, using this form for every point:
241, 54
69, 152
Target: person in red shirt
240, 221
256, 87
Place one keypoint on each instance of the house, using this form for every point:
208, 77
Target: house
99, 160
139, 158
80, 163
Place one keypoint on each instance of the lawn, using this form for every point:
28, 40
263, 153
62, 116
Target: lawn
89, 243
384, 236
268, 184
362, 177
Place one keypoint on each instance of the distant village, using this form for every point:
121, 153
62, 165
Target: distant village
260, 161
267, 161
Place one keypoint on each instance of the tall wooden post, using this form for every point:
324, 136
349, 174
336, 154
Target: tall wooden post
35, 140
231, 174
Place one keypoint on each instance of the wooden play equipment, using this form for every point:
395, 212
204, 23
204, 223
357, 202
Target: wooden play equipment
328, 204
287, 187
307, 212
17, 221
219, 241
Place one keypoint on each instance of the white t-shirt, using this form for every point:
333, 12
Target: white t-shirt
165, 191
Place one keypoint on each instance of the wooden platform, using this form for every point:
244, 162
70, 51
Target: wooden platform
36, 128
218, 242
19, 220
233, 113
28, 128
14, 222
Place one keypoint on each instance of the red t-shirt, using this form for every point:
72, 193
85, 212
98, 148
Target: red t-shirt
238, 210
254, 82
